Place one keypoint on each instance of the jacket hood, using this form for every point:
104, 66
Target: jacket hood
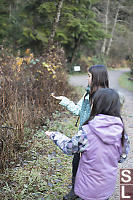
107, 128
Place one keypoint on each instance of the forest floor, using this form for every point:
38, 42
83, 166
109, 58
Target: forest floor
127, 114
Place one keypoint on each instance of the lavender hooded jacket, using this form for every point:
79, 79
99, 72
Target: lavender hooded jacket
97, 171
100, 144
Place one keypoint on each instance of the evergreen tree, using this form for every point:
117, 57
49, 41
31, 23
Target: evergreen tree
3, 20
29, 24
78, 27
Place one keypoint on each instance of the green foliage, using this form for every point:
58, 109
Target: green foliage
31, 23
81, 28
125, 82
99, 60
3, 20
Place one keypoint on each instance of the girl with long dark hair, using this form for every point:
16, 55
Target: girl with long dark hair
101, 141
97, 78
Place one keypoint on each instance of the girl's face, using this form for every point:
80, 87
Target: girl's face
89, 78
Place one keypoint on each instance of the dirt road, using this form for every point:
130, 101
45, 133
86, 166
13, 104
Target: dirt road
127, 114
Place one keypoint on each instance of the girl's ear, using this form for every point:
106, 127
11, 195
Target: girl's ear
89, 78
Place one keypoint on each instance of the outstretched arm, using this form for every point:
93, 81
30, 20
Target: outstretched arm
77, 143
70, 105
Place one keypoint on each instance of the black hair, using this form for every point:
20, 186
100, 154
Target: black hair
106, 101
99, 78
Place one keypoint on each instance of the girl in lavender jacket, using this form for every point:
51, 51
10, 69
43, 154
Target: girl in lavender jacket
101, 141
97, 78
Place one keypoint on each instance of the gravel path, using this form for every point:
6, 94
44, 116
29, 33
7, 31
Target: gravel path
127, 113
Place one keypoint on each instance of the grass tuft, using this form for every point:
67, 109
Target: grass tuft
125, 82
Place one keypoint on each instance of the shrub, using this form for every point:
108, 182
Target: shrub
26, 84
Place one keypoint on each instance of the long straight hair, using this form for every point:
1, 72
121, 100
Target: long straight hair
106, 101
99, 78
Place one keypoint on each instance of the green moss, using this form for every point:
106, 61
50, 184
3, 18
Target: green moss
125, 82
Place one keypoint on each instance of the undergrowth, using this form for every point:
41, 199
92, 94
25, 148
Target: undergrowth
44, 171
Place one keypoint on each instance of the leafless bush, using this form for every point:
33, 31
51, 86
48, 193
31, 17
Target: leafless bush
26, 84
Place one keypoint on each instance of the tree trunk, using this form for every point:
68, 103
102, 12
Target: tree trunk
113, 29
77, 43
56, 20
106, 28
